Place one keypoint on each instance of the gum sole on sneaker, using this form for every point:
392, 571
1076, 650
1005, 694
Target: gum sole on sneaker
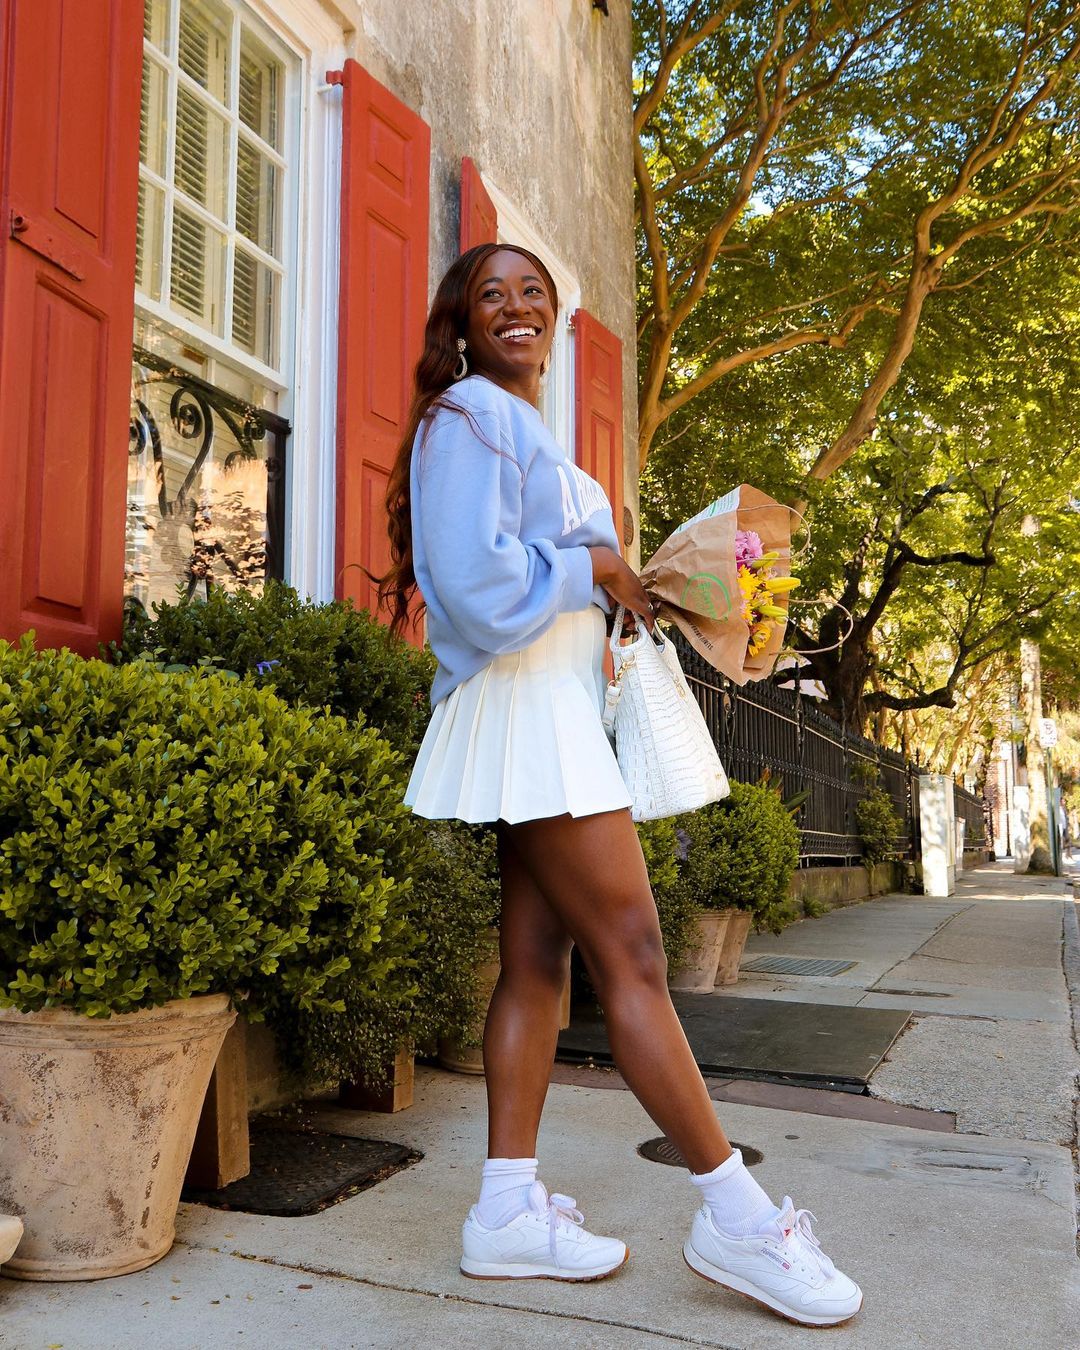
759, 1296
534, 1274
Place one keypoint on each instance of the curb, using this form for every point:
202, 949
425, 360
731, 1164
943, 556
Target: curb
1070, 960
1070, 957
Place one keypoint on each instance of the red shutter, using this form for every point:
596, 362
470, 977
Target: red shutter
382, 310
70, 76
479, 219
598, 410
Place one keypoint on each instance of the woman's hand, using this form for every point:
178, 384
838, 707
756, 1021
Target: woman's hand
621, 582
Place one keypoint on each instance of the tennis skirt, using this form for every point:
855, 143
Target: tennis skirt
523, 738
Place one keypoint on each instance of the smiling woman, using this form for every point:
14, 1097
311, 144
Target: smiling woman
515, 554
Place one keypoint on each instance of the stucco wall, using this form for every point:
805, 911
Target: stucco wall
538, 93
836, 886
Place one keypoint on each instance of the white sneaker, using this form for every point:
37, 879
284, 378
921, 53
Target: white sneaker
781, 1267
547, 1242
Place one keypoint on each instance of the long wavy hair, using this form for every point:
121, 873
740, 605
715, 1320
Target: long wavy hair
434, 374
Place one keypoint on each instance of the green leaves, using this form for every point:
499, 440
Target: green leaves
742, 852
383, 919
164, 835
867, 263
879, 826
319, 656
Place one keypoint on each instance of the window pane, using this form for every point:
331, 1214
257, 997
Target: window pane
257, 193
255, 307
202, 153
198, 269
201, 471
156, 22
149, 242
204, 45
262, 78
153, 119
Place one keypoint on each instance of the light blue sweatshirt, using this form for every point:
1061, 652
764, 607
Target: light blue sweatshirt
500, 540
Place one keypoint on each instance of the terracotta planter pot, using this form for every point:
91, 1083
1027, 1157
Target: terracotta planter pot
738, 930
11, 1231
468, 1056
97, 1119
697, 974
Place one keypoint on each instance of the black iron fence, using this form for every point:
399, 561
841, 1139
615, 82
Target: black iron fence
760, 727
974, 811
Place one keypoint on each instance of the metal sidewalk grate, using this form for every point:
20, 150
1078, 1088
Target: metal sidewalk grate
795, 965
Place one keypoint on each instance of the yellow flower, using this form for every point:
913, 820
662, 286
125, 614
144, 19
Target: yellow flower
780, 585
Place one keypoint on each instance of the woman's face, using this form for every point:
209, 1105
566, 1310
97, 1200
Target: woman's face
508, 296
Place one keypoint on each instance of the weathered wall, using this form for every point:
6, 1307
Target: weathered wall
836, 886
538, 93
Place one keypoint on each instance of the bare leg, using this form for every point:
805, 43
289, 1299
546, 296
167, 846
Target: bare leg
591, 872
523, 1020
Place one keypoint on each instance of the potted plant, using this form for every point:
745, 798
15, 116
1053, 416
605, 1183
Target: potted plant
436, 998
756, 843
172, 846
336, 656
735, 862
694, 969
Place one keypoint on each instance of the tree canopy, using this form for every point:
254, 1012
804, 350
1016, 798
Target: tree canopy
858, 290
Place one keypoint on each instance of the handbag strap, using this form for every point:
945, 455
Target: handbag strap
625, 661
614, 689
617, 627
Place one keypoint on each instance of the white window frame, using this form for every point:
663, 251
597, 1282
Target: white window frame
317, 36
275, 377
306, 378
557, 387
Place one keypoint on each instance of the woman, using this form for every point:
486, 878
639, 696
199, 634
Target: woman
516, 556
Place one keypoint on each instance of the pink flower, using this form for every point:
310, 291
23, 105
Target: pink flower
748, 547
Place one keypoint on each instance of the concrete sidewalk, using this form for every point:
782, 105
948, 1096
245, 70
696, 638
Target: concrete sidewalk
965, 1239
992, 1037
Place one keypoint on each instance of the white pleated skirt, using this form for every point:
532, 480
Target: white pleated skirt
522, 739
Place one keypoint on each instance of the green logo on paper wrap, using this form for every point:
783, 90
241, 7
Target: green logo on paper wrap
702, 594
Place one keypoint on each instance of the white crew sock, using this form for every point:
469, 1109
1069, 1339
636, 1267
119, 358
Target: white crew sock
504, 1190
737, 1203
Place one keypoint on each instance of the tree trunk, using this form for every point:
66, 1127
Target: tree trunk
845, 674
1031, 710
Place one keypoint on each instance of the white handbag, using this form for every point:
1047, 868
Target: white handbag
665, 752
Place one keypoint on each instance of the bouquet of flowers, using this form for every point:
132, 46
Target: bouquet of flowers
761, 587
724, 579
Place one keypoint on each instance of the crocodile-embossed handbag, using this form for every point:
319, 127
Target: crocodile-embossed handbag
665, 752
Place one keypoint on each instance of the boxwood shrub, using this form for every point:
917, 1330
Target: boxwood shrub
741, 852
453, 904
676, 907
334, 656
319, 655
167, 835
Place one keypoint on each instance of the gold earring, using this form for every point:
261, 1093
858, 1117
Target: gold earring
462, 367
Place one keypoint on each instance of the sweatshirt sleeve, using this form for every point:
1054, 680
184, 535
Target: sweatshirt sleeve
499, 591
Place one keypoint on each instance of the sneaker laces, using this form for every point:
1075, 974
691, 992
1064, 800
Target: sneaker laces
561, 1212
800, 1228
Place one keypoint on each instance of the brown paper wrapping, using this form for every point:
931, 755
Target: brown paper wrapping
693, 576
